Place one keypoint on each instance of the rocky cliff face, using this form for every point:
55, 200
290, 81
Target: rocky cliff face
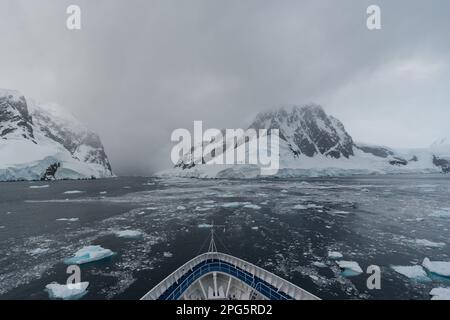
39, 141
308, 131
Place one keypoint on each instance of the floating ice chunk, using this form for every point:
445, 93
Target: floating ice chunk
340, 212
167, 254
441, 268
39, 187
205, 225
38, 251
252, 206
201, 209
440, 294
66, 291
335, 255
350, 268
444, 213
68, 219
319, 264
314, 206
255, 228
430, 244
412, 272
73, 192
129, 234
181, 208
234, 204
89, 254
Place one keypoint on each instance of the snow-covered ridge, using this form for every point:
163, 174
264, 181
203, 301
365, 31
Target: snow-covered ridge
45, 142
315, 144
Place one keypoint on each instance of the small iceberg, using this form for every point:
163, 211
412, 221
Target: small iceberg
412, 272
205, 225
252, 206
129, 234
440, 294
350, 268
334, 255
66, 291
444, 213
319, 264
233, 204
68, 219
430, 244
38, 251
73, 192
167, 254
440, 268
39, 187
89, 254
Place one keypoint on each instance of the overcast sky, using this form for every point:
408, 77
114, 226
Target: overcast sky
140, 69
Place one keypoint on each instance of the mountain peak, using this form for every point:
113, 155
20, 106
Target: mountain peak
308, 130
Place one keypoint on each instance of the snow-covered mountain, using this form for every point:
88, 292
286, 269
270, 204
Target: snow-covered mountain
313, 143
44, 142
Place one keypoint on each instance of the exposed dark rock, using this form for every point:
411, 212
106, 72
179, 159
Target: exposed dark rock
444, 164
49, 174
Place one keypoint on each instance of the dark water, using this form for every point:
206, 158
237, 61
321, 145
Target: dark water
284, 226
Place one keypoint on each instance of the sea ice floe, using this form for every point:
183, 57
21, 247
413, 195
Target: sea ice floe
68, 219
73, 192
66, 291
89, 254
412, 272
335, 255
443, 213
39, 187
441, 268
440, 294
319, 264
205, 225
314, 206
234, 204
129, 234
252, 206
350, 268
38, 251
430, 244
167, 254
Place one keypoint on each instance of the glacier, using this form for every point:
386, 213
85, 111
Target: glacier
45, 142
314, 144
